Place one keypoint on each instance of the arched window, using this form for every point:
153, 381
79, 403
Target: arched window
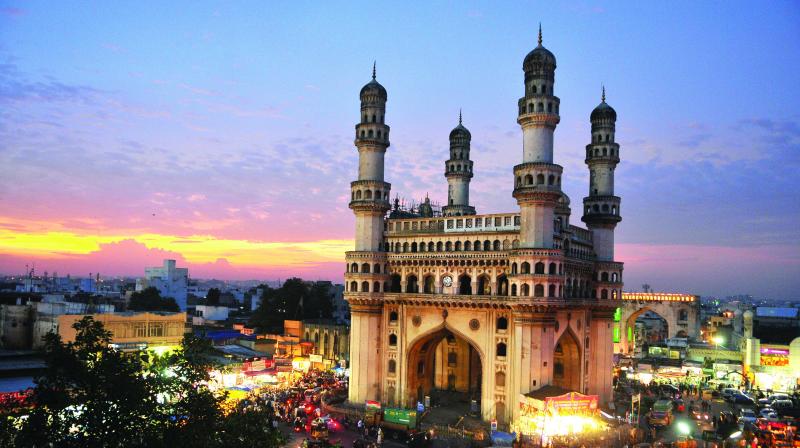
540, 179
484, 288
551, 179
502, 285
551, 291
395, 285
539, 268
496, 245
540, 107
525, 290
533, 89
553, 270
604, 294
365, 268
525, 268
393, 340
501, 349
528, 179
502, 323
405, 247
514, 267
614, 277
392, 366
370, 134
413, 247
487, 245
411, 284
465, 285
439, 246
431, 246
353, 287
448, 246
604, 276
458, 246
467, 246
393, 316
519, 181
377, 268
530, 107
428, 287
354, 267
376, 287
358, 195
514, 289
364, 286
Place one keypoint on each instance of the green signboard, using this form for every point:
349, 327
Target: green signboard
618, 315
616, 333
405, 417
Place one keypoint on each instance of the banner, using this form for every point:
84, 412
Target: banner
572, 403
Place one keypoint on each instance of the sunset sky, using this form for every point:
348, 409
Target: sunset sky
221, 134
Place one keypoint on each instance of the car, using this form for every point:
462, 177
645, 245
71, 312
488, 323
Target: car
661, 413
740, 398
766, 411
669, 389
696, 412
780, 405
727, 392
747, 415
778, 396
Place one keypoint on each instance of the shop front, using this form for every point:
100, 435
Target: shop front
545, 417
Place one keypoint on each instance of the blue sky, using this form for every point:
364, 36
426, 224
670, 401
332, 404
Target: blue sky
235, 120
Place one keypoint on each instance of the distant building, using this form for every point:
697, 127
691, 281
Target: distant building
209, 314
132, 330
171, 281
331, 340
16, 322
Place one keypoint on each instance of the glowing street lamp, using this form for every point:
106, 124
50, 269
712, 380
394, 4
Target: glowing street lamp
684, 428
718, 340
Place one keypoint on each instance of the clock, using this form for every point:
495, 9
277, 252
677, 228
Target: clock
447, 281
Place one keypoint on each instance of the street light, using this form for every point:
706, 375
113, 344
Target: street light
684, 428
718, 340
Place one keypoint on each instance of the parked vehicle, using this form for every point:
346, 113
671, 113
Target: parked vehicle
747, 416
740, 398
727, 392
661, 413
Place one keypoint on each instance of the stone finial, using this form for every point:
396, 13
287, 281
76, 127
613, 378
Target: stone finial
603, 96
540, 33
459, 115
373, 69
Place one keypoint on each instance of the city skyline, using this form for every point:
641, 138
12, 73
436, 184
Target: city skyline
180, 136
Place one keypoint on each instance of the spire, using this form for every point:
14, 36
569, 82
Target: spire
373, 69
459, 115
540, 34
603, 97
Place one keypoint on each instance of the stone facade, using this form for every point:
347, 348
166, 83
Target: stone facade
491, 306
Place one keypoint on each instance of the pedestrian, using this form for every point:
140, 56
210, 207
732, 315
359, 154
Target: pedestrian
379, 439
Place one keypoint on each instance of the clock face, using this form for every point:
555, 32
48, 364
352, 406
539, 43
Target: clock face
447, 280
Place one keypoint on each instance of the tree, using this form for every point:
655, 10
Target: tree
212, 297
93, 395
149, 299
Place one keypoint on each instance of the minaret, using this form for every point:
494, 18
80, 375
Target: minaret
601, 208
366, 275
458, 171
537, 185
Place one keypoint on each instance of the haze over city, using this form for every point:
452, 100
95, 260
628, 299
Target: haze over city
222, 136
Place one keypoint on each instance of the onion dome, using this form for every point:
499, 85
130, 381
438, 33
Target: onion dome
540, 61
603, 111
460, 132
373, 88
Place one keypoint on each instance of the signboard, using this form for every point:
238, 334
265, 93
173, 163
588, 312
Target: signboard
420, 407
572, 403
315, 358
372, 408
405, 417
494, 425
774, 351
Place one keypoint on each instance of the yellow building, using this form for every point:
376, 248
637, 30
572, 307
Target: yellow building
133, 330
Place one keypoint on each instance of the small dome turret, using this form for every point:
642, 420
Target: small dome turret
603, 111
540, 62
460, 132
373, 88
425, 209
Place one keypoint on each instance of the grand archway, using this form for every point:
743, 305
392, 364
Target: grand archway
567, 363
445, 367
643, 327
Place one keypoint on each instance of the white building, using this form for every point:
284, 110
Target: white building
171, 281
209, 314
